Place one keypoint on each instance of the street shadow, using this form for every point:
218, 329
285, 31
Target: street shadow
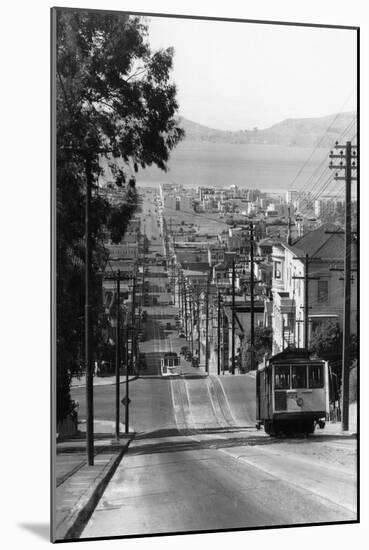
175, 432
193, 376
42, 530
146, 377
79, 447
247, 440
193, 445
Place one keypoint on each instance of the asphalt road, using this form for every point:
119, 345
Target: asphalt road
199, 482
198, 463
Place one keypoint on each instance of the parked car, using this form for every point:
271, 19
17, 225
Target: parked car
181, 335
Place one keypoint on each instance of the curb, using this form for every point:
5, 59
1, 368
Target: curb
82, 511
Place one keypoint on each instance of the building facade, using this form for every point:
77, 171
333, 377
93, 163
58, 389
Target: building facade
323, 252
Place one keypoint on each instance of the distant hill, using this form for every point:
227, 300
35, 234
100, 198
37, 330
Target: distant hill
296, 132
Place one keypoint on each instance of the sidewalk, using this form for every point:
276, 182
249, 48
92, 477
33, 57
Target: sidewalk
98, 381
335, 428
79, 486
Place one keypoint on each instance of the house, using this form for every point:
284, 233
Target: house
264, 267
238, 239
123, 251
215, 254
265, 247
196, 277
324, 249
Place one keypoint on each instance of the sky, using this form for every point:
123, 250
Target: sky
234, 76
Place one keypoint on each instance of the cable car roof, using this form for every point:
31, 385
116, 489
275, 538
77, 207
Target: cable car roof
291, 355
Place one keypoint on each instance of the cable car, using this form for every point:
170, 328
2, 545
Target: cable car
292, 393
169, 363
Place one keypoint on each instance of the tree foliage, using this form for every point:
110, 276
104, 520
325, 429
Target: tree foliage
263, 339
116, 108
263, 342
326, 340
327, 343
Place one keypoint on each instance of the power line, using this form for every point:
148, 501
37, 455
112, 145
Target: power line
323, 163
321, 190
317, 145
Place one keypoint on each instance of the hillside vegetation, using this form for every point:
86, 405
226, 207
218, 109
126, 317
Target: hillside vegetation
296, 132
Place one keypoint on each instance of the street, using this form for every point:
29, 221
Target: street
218, 480
197, 461
194, 465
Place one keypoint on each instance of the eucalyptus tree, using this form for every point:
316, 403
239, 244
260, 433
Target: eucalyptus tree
115, 114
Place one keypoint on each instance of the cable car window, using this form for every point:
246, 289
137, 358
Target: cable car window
299, 376
316, 379
282, 377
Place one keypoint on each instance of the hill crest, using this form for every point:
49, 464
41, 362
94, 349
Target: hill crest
296, 132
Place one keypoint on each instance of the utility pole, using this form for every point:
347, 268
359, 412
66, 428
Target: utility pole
126, 414
233, 315
170, 229
252, 305
88, 157
198, 327
178, 289
289, 224
306, 279
185, 306
117, 361
118, 277
207, 325
181, 307
130, 360
173, 281
143, 284
299, 321
182, 298
133, 315
223, 358
218, 330
348, 162
191, 323
88, 346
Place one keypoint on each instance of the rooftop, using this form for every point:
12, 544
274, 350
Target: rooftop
319, 243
